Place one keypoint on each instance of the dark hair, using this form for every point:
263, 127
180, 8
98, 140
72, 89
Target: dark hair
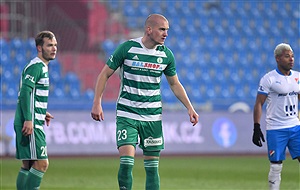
39, 39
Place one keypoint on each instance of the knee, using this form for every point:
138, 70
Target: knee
44, 165
41, 165
276, 167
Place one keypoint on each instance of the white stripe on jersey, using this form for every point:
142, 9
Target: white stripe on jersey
141, 92
34, 61
44, 81
40, 116
140, 104
32, 146
39, 127
151, 52
157, 117
41, 104
42, 92
142, 78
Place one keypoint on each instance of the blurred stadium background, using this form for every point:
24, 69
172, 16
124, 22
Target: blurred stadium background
222, 47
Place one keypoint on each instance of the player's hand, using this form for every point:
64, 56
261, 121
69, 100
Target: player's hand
194, 117
258, 136
48, 118
97, 112
27, 128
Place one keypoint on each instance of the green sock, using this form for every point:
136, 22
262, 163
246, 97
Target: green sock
152, 176
34, 179
21, 179
125, 172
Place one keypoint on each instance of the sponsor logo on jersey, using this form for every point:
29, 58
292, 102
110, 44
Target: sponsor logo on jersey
278, 82
30, 78
261, 88
111, 58
297, 80
282, 94
135, 57
159, 60
146, 65
150, 141
293, 93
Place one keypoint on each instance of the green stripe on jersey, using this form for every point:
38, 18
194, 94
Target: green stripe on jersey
154, 98
140, 111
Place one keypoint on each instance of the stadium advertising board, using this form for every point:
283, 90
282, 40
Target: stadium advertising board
75, 133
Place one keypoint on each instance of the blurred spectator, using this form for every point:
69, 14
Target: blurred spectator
4, 20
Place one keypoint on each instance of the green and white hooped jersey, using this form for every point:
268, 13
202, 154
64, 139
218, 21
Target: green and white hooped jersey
35, 75
141, 70
282, 98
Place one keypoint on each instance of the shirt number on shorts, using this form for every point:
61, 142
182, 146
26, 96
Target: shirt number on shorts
122, 134
44, 151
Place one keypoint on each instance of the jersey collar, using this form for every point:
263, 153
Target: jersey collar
282, 73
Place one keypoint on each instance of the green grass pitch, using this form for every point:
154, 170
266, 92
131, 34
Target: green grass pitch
176, 173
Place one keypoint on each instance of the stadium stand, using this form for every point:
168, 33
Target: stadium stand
222, 49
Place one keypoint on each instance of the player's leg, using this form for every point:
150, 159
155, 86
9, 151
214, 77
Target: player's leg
277, 141
125, 176
38, 152
275, 175
36, 173
22, 153
294, 143
127, 138
23, 173
151, 141
151, 163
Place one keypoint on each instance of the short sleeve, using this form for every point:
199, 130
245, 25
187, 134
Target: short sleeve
264, 85
117, 58
171, 68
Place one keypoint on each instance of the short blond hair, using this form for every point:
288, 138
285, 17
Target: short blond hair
280, 48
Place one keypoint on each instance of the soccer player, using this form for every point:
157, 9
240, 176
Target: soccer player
280, 88
31, 114
142, 61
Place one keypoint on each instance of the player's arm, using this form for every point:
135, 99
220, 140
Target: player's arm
257, 111
97, 112
180, 93
258, 136
32, 74
24, 101
298, 104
